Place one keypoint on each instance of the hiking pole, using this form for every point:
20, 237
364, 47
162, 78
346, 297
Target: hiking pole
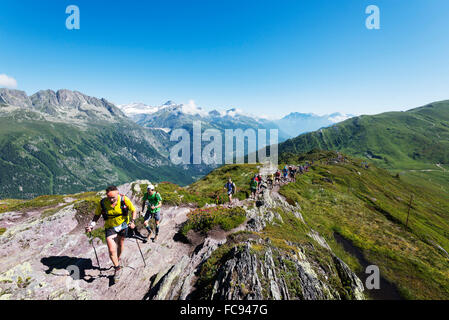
138, 245
95, 250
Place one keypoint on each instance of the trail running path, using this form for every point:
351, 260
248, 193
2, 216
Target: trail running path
52, 258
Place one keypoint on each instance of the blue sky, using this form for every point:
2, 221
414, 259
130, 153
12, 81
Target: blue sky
264, 57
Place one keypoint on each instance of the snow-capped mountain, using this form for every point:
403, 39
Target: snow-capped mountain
171, 115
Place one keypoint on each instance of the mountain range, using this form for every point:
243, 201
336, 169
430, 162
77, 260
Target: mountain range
66, 142
171, 115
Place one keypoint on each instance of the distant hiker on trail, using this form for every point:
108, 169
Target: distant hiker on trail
259, 181
293, 173
285, 173
253, 186
270, 180
115, 211
277, 179
230, 188
154, 209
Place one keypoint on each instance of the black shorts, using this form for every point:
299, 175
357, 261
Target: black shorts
111, 232
155, 215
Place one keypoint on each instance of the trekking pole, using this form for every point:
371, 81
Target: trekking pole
138, 245
95, 250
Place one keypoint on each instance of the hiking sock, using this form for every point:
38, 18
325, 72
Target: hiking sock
157, 230
149, 229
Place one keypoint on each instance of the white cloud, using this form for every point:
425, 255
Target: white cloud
8, 82
340, 118
192, 108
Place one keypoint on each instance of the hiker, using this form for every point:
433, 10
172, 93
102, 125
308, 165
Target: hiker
115, 211
230, 188
277, 179
153, 211
253, 186
293, 173
259, 182
270, 180
285, 172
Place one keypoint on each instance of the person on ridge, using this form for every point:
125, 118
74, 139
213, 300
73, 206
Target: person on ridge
153, 211
115, 211
277, 179
253, 186
285, 173
230, 188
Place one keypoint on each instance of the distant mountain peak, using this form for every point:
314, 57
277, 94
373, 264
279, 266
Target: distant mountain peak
169, 103
214, 113
63, 105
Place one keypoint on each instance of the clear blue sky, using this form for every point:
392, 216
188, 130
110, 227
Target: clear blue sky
265, 57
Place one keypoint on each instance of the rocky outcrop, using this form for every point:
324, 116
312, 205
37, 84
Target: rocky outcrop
349, 278
163, 286
274, 274
268, 211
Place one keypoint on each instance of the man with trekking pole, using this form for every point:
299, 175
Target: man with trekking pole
115, 211
154, 200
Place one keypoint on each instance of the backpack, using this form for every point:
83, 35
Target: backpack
232, 187
253, 183
123, 207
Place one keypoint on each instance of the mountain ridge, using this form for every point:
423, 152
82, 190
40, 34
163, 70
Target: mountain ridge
65, 142
411, 139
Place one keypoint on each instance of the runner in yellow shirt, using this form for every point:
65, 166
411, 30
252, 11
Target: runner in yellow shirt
115, 210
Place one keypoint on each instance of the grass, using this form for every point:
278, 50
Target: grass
213, 184
175, 195
203, 220
26, 205
84, 211
208, 190
370, 210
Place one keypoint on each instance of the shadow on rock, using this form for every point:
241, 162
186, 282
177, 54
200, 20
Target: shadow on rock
76, 266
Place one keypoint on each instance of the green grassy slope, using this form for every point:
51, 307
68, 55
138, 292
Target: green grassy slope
415, 139
39, 157
369, 207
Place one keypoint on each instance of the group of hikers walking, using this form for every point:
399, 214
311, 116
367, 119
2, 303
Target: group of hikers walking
115, 209
257, 183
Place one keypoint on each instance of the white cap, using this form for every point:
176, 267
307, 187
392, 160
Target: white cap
150, 187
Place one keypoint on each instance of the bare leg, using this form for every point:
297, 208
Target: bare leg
112, 247
120, 247
157, 226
